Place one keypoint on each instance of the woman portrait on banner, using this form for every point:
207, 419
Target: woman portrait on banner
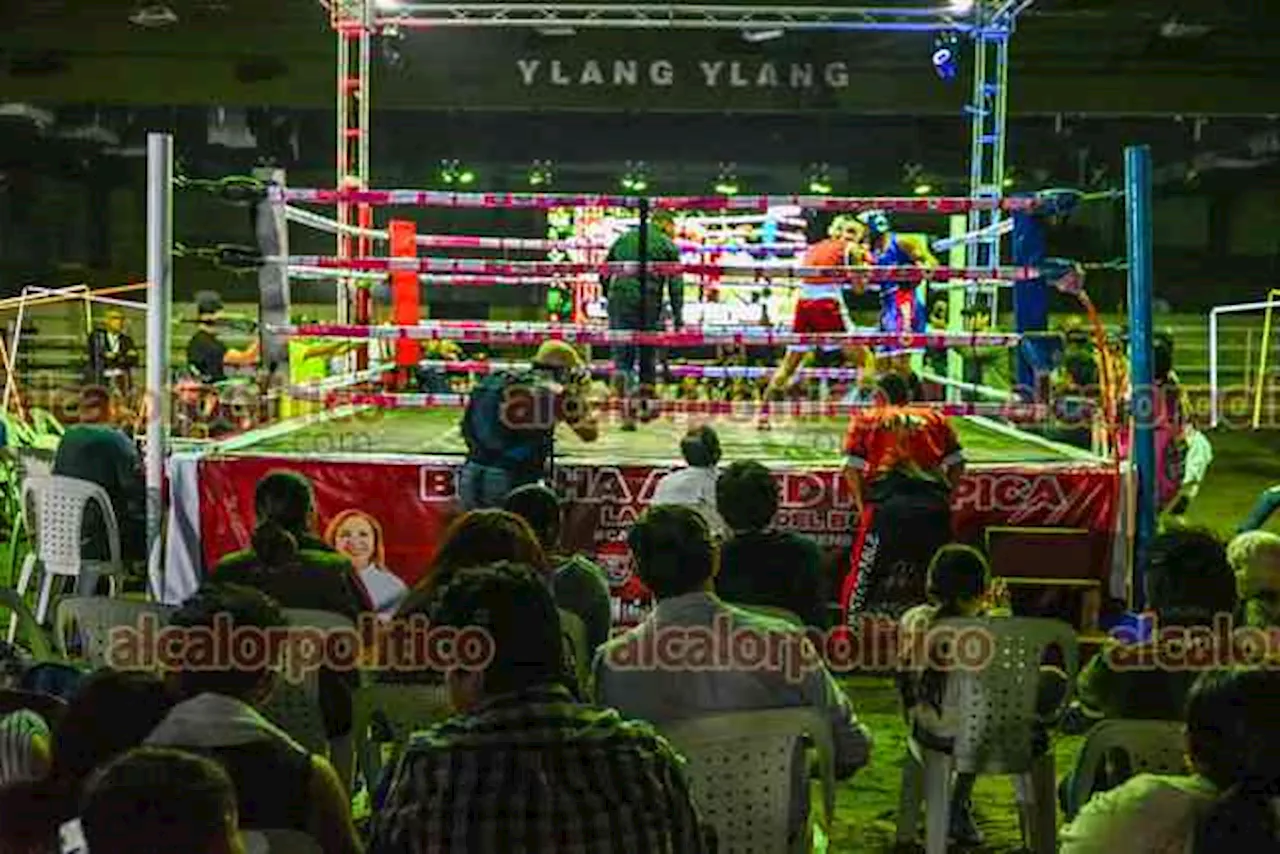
358, 535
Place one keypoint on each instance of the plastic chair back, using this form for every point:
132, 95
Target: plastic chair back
394, 712
1151, 747
295, 708
999, 674
59, 503
741, 770
85, 625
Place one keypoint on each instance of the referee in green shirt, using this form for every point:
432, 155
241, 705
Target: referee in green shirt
637, 305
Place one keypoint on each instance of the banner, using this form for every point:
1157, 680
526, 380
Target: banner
409, 504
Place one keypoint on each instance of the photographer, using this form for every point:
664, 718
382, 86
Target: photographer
510, 421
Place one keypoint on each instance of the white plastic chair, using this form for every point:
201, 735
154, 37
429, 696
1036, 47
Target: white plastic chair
741, 769
58, 504
84, 624
1150, 747
998, 719
403, 709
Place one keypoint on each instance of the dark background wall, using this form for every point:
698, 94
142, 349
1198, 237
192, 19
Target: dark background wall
243, 82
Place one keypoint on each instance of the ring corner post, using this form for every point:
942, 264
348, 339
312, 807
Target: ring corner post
1137, 163
159, 310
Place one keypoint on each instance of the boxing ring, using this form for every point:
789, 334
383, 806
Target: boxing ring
394, 456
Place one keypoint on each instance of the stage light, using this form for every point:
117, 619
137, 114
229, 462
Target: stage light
923, 189
540, 173
453, 173
946, 57
727, 181
960, 7
636, 179
820, 179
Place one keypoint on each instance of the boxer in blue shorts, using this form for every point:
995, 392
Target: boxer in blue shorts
902, 308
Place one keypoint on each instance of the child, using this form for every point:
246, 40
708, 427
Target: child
959, 585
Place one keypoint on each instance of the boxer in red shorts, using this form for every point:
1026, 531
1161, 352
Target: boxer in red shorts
821, 307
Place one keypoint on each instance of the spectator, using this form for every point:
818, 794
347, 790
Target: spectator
760, 565
695, 486
901, 465
317, 579
478, 538
287, 561
510, 421
579, 584
675, 557
100, 453
1199, 454
594, 782
1188, 583
1255, 559
279, 785
162, 802
1226, 804
207, 354
111, 712
959, 586
112, 355
359, 536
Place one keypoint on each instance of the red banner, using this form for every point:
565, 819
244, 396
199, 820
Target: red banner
409, 505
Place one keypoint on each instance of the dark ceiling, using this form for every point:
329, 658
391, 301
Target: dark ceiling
1088, 78
1106, 56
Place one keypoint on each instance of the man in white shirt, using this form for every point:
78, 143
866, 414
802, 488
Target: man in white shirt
677, 559
695, 486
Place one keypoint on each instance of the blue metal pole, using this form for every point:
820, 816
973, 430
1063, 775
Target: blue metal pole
1137, 185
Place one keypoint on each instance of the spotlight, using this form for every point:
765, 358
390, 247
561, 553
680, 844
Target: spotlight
923, 189
960, 7
636, 179
820, 179
727, 181
540, 173
453, 173
946, 57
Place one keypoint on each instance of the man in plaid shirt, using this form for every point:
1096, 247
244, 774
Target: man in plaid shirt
523, 767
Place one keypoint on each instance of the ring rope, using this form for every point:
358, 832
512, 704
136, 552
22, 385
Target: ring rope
481, 266
536, 333
527, 201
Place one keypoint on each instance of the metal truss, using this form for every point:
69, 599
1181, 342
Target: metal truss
680, 16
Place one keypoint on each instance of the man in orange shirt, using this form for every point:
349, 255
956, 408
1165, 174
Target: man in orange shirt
901, 464
821, 307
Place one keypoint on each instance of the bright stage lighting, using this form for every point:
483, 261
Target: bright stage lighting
636, 179
960, 7
923, 189
946, 57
